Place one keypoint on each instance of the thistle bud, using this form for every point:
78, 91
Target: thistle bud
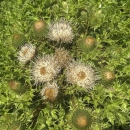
87, 44
39, 28
17, 87
18, 40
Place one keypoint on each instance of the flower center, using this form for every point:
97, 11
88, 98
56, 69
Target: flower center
89, 41
16, 36
109, 75
81, 75
39, 25
25, 51
49, 93
42, 71
13, 84
82, 121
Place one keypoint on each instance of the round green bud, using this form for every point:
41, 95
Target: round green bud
87, 44
17, 87
39, 28
18, 40
81, 119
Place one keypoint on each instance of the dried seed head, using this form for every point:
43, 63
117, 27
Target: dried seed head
26, 53
63, 57
45, 69
61, 32
50, 91
81, 74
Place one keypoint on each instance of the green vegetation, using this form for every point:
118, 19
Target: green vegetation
108, 102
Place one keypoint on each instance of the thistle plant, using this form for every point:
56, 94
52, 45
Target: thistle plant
65, 65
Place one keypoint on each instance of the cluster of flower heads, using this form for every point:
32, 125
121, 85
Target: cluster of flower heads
45, 68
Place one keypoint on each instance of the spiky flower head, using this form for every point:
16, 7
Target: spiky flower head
62, 56
45, 69
61, 32
40, 28
81, 119
81, 74
26, 53
50, 91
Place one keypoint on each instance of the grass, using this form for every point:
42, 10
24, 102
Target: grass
108, 22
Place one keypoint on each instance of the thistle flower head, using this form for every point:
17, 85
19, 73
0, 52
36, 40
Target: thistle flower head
26, 53
62, 56
45, 69
81, 119
81, 74
61, 32
50, 91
